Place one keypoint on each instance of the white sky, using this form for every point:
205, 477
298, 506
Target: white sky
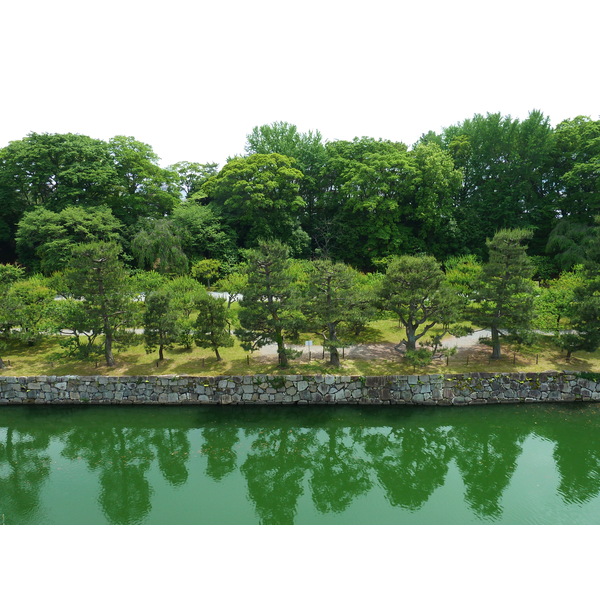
193, 78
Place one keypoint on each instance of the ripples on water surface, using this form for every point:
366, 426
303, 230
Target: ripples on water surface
516, 464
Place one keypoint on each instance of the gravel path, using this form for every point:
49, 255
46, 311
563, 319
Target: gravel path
378, 349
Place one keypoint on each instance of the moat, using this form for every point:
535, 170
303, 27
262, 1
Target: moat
505, 464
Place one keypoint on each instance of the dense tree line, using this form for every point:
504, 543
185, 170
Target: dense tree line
102, 302
440, 229
358, 201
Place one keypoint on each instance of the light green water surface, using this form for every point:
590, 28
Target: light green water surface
518, 464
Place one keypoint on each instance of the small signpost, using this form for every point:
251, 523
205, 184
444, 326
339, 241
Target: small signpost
308, 344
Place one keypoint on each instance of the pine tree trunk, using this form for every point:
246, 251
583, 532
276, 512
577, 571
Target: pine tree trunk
108, 355
411, 338
495, 343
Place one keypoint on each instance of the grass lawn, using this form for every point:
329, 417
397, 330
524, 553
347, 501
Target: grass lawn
374, 356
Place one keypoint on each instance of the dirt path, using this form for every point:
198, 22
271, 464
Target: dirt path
384, 350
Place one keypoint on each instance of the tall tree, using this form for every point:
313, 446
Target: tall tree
202, 234
308, 150
45, 239
52, 171
258, 196
143, 188
384, 199
577, 164
504, 294
507, 168
191, 176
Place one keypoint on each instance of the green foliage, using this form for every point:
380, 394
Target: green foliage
156, 246
504, 293
415, 290
28, 308
577, 162
258, 196
45, 239
206, 270
418, 358
191, 176
142, 188
333, 297
9, 274
99, 278
554, 301
144, 282
268, 311
571, 243
160, 322
507, 177
233, 283
212, 325
202, 234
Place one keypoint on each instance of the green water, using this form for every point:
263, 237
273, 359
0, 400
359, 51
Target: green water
517, 464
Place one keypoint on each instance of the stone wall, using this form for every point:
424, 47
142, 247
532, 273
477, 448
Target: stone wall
447, 389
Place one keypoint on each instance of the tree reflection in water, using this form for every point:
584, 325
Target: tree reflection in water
487, 458
123, 456
577, 452
410, 463
335, 460
274, 471
219, 450
339, 473
24, 466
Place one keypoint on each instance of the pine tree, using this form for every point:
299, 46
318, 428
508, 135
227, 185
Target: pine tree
504, 293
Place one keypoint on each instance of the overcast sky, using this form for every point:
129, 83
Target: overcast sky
193, 78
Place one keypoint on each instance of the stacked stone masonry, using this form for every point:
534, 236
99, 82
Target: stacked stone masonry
435, 390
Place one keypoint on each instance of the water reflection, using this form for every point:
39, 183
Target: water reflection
410, 463
122, 456
274, 470
218, 447
288, 458
338, 471
24, 466
486, 458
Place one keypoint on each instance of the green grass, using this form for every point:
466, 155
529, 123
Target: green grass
378, 340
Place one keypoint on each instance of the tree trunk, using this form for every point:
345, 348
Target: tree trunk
334, 355
411, 338
217, 354
495, 343
108, 355
161, 355
283, 359
2, 365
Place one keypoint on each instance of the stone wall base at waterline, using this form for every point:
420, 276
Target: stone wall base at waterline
428, 390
